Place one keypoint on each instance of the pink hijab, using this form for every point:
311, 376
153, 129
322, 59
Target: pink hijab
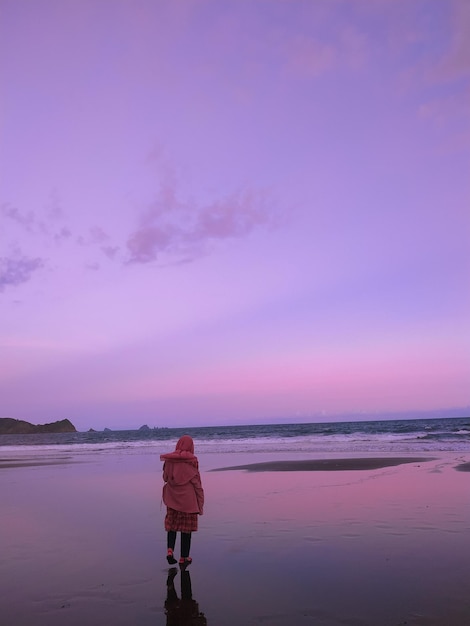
184, 451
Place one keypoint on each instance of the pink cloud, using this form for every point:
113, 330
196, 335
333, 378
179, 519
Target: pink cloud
444, 108
308, 57
455, 63
232, 217
437, 69
147, 242
183, 229
355, 47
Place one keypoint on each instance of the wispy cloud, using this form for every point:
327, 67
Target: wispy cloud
110, 251
45, 224
310, 58
46, 228
17, 270
186, 229
94, 236
455, 64
447, 104
182, 230
26, 220
62, 234
50, 224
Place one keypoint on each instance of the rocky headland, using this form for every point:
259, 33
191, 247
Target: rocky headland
10, 426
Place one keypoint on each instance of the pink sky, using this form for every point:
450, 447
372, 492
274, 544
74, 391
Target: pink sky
233, 212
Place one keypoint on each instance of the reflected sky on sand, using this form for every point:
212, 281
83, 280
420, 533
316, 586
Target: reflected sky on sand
84, 543
335, 547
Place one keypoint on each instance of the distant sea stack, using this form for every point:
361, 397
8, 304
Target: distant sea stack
10, 426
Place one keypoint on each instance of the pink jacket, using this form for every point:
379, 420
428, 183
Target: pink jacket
182, 490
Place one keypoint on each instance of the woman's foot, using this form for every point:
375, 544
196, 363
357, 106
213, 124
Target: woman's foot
170, 558
185, 561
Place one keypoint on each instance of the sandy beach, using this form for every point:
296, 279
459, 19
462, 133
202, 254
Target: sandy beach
379, 541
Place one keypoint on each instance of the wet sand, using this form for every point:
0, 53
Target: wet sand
375, 542
324, 465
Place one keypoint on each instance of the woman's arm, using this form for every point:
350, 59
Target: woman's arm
165, 473
199, 491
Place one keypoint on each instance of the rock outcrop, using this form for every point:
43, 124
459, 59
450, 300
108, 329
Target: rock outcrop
10, 426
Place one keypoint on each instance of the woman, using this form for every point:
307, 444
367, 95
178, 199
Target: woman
184, 497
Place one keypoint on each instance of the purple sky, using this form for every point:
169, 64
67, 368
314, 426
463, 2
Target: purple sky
233, 212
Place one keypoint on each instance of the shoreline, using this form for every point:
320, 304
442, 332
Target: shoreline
327, 463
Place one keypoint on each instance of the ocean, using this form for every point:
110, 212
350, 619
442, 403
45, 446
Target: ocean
389, 436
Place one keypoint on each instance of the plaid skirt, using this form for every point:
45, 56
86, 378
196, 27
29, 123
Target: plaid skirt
180, 522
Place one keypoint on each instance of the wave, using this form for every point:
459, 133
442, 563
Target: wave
367, 436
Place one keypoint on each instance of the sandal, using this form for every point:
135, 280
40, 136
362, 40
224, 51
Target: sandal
170, 558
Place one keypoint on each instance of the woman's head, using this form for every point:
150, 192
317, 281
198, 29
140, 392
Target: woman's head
185, 444
184, 451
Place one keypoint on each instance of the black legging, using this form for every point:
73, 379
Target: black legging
185, 542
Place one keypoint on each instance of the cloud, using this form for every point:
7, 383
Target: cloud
145, 243
446, 79
184, 230
44, 229
355, 47
63, 234
309, 58
15, 271
95, 236
26, 220
32, 222
455, 64
53, 206
233, 217
50, 225
452, 106
110, 251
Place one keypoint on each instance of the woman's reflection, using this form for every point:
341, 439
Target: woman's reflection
184, 611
